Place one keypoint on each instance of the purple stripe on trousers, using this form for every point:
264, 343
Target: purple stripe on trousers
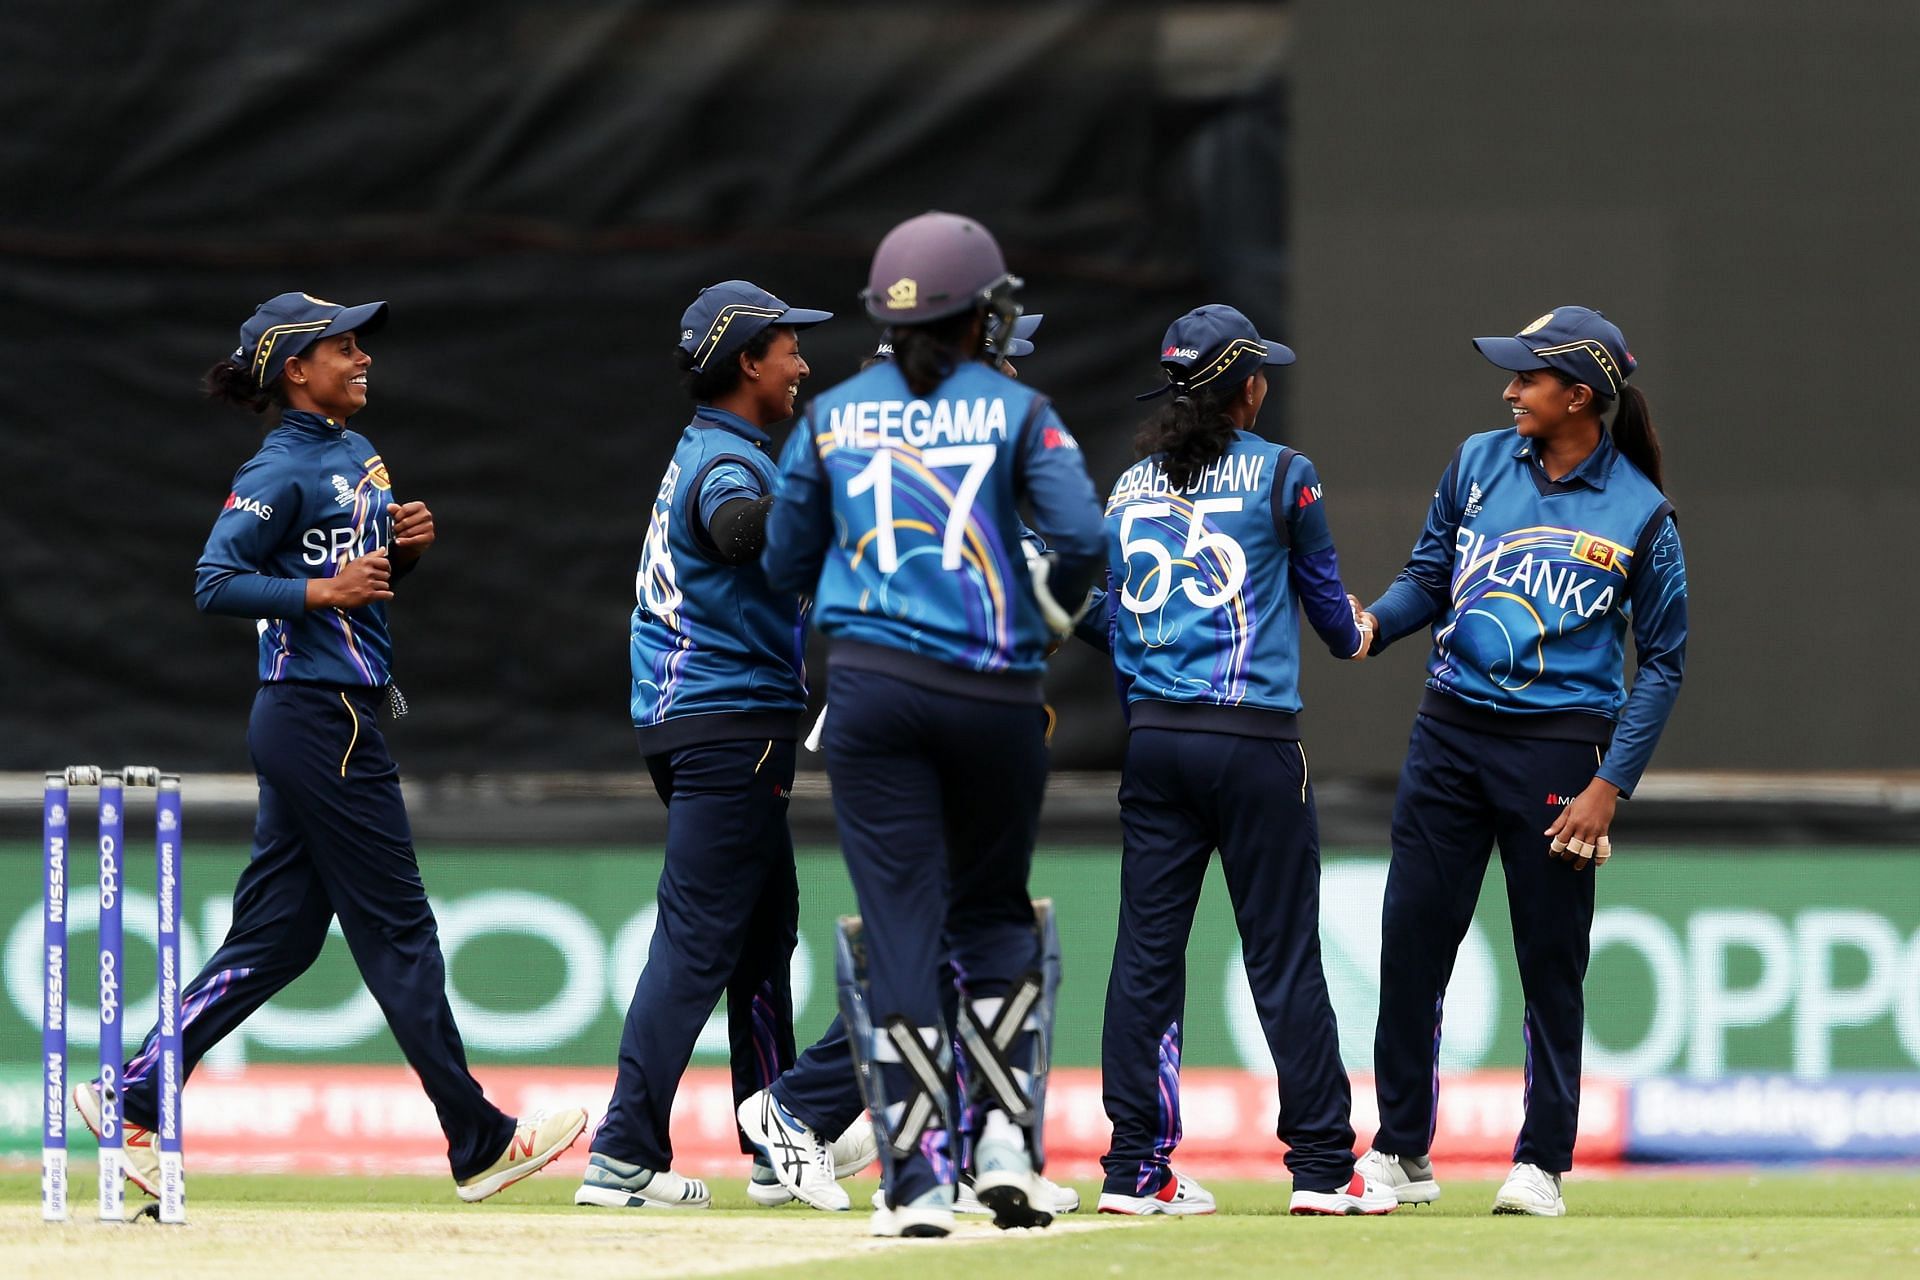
196, 1004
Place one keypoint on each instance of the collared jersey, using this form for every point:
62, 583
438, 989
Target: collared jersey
900, 514
1532, 584
717, 653
312, 498
1206, 611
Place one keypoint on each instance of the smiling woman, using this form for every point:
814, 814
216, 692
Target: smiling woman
1544, 545
309, 544
330, 377
718, 692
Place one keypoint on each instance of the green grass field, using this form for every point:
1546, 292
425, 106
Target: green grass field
1859, 1224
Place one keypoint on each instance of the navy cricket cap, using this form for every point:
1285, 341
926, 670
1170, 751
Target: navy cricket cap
727, 316
1021, 344
1018, 347
1213, 342
1576, 341
286, 325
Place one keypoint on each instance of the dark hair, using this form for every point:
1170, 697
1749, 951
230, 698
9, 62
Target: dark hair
928, 353
722, 376
231, 384
1633, 433
1192, 431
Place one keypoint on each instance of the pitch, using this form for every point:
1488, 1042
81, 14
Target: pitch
1862, 1222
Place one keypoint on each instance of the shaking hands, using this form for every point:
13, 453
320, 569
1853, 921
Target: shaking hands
1366, 624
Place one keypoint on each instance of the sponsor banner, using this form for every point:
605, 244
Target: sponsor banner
1704, 964
1773, 1117
377, 1120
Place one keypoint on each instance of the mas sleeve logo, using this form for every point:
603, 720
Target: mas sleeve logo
1058, 438
253, 506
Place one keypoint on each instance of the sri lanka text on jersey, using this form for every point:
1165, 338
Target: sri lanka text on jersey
1540, 567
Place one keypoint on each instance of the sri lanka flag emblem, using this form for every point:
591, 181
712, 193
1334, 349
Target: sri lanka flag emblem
1598, 551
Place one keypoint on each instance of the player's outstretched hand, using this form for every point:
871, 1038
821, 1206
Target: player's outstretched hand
412, 529
360, 581
1579, 834
1367, 625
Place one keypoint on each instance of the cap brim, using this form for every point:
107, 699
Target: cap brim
1156, 393
1278, 352
1510, 354
800, 317
365, 318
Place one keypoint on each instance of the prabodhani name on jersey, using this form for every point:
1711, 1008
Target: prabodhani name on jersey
1235, 472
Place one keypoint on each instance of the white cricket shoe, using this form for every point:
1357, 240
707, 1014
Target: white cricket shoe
139, 1153
1179, 1197
1532, 1190
1003, 1177
615, 1184
855, 1149
1410, 1178
929, 1217
799, 1158
538, 1140
1360, 1195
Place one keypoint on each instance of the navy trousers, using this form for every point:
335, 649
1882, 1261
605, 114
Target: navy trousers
332, 838
1462, 791
1183, 795
726, 917
822, 1088
938, 800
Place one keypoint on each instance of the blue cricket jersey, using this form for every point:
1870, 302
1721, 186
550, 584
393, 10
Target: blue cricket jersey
717, 653
1531, 585
901, 515
314, 497
1206, 584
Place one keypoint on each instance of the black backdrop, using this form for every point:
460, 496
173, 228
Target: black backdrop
539, 190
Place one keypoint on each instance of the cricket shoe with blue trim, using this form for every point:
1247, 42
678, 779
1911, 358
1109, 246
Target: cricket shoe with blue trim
139, 1157
1410, 1178
1360, 1195
928, 1218
800, 1160
1179, 1196
538, 1140
615, 1184
1532, 1190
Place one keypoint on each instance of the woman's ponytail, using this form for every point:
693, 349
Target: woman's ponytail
231, 384
1191, 432
927, 354
1633, 435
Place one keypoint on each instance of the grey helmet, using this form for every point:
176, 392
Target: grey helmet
939, 265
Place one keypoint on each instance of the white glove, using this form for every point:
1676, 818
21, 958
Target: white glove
1039, 566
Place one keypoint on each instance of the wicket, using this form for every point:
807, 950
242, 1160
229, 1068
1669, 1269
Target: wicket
167, 1063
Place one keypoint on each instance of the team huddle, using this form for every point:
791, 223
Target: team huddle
933, 518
